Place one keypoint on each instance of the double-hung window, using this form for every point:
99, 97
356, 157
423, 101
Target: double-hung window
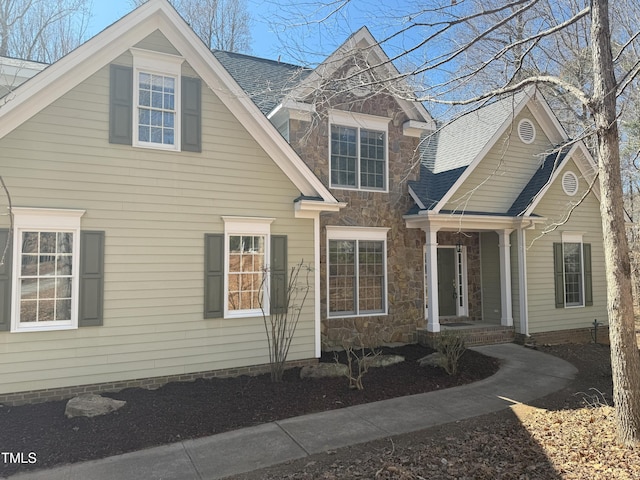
156, 99
572, 267
46, 246
357, 271
358, 151
246, 265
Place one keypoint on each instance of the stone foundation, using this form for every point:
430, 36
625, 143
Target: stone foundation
62, 393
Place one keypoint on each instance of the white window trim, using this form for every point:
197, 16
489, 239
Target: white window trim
368, 122
160, 64
45, 219
246, 226
365, 234
573, 237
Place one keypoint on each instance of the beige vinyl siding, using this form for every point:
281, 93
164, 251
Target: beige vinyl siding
504, 171
159, 43
490, 267
155, 208
585, 219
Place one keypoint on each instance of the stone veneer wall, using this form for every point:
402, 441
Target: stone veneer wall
405, 276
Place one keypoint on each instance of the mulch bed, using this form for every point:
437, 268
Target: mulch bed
568, 435
183, 410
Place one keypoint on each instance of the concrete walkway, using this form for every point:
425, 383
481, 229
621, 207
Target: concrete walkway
524, 376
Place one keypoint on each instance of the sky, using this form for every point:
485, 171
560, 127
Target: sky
287, 29
106, 12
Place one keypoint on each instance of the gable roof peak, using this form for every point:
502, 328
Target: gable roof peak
101, 50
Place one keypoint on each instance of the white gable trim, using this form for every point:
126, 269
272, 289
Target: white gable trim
416, 198
543, 115
586, 165
59, 78
415, 110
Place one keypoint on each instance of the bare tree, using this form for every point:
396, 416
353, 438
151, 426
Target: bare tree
221, 24
42, 30
434, 40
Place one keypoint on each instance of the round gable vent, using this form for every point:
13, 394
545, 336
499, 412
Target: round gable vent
526, 130
570, 183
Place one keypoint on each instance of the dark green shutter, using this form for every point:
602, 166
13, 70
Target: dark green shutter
558, 273
191, 116
91, 279
588, 290
121, 105
5, 281
279, 267
213, 275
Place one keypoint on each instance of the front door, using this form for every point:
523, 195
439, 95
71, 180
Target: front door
447, 282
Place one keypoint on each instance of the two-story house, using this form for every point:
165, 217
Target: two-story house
160, 190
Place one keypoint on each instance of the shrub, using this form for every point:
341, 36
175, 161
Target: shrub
452, 346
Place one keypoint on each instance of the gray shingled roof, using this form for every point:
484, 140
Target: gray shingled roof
447, 153
265, 81
537, 182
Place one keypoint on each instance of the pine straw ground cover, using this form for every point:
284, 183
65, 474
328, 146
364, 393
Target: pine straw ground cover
567, 435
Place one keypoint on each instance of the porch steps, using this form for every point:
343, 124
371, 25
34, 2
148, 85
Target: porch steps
474, 335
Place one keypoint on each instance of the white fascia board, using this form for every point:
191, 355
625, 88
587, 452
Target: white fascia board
308, 208
290, 109
448, 222
488, 146
414, 128
102, 49
207, 66
585, 165
334, 61
416, 198
545, 117
72, 69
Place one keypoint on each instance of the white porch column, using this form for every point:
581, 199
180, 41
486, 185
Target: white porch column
504, 244
433, 318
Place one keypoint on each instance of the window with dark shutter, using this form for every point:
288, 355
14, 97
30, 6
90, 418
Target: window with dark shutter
588, 288
279, 267
121, 105
558, 273
191, 115
214, 275
91, 279
5, 280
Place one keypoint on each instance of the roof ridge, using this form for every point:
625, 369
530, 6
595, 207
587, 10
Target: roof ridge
253, 57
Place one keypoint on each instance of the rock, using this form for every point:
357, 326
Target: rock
91, 405
382, 360
323, 370
436, 359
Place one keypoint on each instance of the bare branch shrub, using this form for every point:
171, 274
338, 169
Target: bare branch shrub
452, 346
357, 366
280, 325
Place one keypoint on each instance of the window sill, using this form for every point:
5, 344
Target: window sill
356, 189
44, 328
157, 146
256, 312
359, 315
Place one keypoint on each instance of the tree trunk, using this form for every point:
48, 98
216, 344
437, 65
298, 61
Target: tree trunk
625, 360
